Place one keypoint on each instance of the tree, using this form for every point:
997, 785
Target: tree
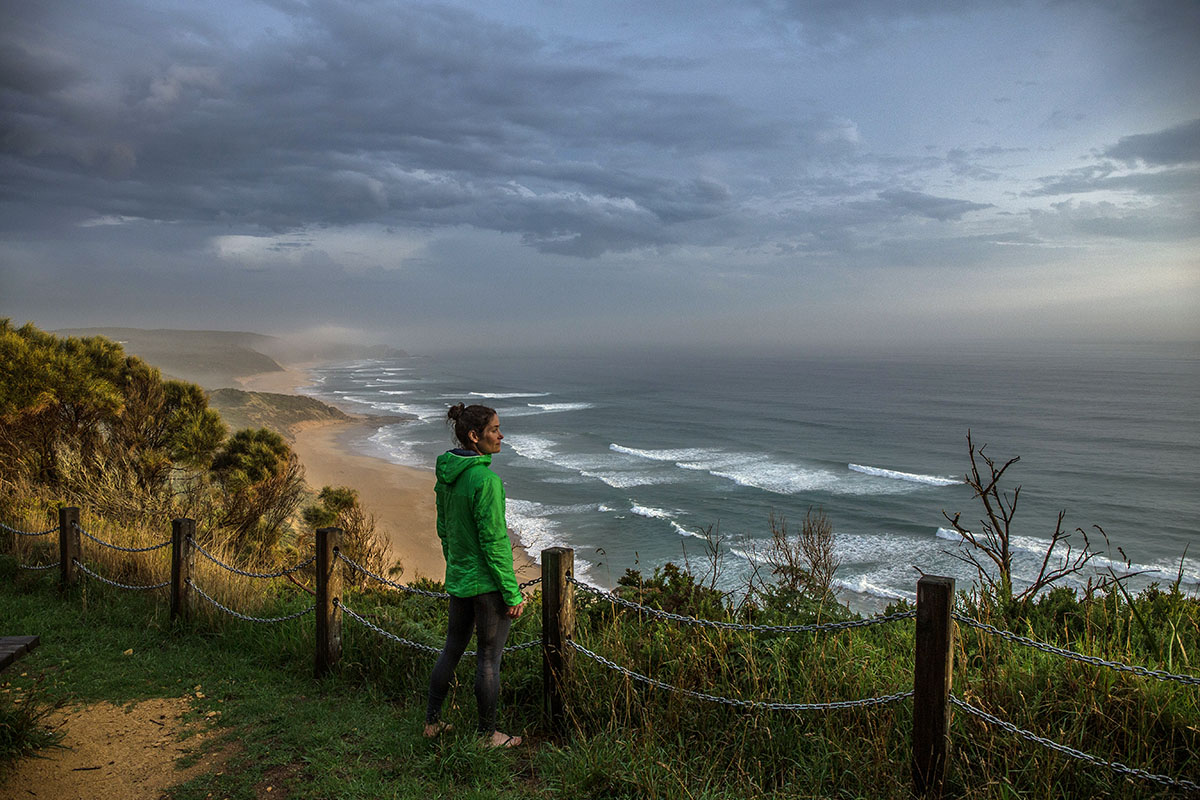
195, 431
994, 538
86, 403
52, 392
808, 562
263, 484
339, 507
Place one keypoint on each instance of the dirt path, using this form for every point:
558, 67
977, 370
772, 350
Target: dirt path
112, 751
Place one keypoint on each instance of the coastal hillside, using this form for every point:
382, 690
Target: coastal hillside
217, 359
276, 412
213, 359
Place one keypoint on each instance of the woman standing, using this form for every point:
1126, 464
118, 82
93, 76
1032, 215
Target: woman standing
480, 577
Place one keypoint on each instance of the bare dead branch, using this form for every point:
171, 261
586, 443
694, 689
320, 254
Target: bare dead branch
993, 543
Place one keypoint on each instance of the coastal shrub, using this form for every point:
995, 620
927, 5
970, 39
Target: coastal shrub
77, 411
263, 485
671, 588
338, 506
805, 563
83, 423
52, 391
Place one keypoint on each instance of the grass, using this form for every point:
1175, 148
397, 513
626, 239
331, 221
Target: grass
356, 733
332, 738
23, 726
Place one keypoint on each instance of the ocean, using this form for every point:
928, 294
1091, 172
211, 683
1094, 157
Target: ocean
635, 459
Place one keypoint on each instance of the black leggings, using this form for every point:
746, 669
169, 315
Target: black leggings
488, 615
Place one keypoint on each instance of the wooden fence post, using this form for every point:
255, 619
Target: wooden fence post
68, 544
182, 531
558, 626
931, 684
329, 589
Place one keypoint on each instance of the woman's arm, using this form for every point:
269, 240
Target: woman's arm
493, 540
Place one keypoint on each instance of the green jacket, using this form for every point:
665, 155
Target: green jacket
470, 523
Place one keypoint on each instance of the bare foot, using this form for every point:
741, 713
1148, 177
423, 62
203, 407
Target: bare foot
499, 739
434, 728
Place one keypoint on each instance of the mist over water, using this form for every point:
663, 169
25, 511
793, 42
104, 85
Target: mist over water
633, 459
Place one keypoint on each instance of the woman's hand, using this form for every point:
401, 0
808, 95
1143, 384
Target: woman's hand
515, 611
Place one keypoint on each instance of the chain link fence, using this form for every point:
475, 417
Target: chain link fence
616, 600
827, 627
112, 546
1115, 766
757, 705
424, 648
411, 589
244, 573
247, 617
402, 587
1062, 652
111, 582
18, 532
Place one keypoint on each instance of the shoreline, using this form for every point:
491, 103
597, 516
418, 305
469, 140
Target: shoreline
399, 497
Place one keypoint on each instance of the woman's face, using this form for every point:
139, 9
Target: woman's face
488, 442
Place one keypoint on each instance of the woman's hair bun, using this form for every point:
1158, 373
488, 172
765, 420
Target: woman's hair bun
467, 420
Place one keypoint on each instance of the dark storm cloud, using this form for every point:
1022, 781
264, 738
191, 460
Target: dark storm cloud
596, 163
1184, 180
1161, 169
841, 21
360, 112
1177, 145
1162, 164
924, 205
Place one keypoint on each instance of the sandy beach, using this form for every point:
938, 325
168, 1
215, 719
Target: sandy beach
400, 497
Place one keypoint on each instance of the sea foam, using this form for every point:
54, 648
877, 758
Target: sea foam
537, 531
879, 472
555, 407
746, 469
652, 513
601, 467
507, 395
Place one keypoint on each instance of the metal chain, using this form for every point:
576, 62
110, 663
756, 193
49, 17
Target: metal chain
406, 642
1071, 654
393, 584
27, 533
231, 612
526, 646
246, 574
734, 626
1115, 766
424, 647
412, 589
158, 546
753, 704
103, 579
42, 566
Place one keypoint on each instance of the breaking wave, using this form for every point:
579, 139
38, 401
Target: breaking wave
879, 472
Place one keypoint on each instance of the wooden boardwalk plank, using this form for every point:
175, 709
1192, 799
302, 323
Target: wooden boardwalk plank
14, 647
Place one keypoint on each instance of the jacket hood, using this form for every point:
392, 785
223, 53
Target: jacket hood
451, 466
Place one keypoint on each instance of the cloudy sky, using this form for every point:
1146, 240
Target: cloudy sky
755, 172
